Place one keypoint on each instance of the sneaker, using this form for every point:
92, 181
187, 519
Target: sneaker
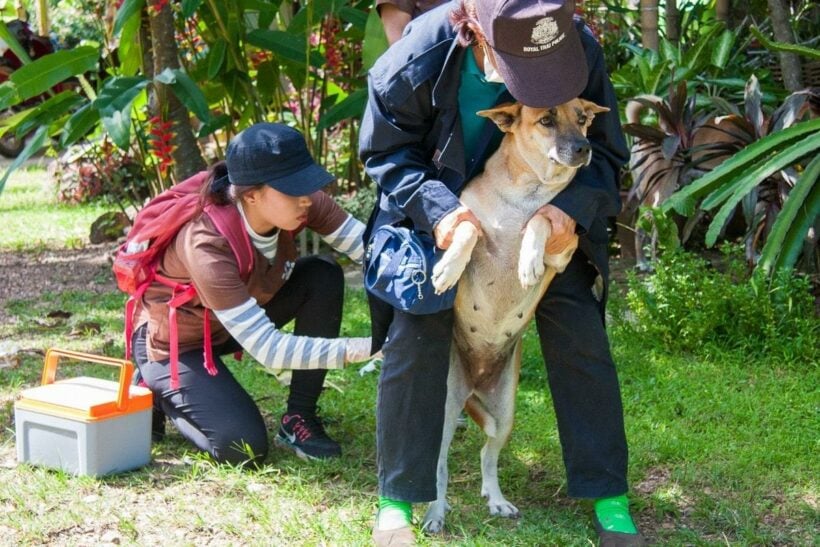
305, 435
157, 425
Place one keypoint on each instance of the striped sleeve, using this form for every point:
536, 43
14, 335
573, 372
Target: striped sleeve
347, 239
249, 326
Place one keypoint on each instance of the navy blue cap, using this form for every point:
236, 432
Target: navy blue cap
537, 49
276, 155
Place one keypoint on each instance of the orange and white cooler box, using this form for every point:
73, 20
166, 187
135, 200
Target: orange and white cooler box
83, 425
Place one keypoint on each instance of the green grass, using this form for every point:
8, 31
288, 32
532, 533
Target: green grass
723, 451
33, 220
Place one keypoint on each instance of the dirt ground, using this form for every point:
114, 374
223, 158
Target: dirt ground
26, 275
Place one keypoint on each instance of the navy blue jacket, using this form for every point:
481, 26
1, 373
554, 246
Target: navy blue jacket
411, 139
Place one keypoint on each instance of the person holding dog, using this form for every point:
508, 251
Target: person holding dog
272, 181
421, 142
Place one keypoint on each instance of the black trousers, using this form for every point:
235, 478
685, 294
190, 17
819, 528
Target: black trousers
215, 413
580, 371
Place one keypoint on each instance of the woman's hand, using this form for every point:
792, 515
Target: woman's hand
357, 350
563, 228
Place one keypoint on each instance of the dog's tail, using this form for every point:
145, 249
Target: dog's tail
478, 412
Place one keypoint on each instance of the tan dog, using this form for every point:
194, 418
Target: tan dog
503, 275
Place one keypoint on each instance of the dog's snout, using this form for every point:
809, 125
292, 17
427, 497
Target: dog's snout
573, 152
582, 148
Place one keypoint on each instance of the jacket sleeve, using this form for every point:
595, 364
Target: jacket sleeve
393, 149
593, 193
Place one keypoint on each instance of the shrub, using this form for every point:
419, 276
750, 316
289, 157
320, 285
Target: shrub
91, 171
359, 203
688, 305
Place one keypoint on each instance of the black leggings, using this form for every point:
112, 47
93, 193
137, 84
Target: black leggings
214, 412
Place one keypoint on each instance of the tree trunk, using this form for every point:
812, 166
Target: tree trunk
43, 25
672, 21
789, 62
146, 49
187, 155
722, 11
649, 24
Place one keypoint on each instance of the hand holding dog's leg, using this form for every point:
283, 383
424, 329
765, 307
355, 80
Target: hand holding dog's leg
448, 270
531, 258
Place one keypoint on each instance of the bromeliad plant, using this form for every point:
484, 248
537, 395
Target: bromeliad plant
793, 153
762, 204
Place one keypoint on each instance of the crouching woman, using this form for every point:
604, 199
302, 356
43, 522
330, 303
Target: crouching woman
271, 179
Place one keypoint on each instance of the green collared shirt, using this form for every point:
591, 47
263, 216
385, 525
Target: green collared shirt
474, 94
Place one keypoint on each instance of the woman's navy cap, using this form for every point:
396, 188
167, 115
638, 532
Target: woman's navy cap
276, 155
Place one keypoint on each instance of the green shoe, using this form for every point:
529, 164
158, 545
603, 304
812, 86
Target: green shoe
616, 539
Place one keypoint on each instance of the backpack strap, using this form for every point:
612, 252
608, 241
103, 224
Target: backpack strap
228, 222
182, 293
131, 311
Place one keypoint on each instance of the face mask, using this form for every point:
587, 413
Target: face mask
490, 72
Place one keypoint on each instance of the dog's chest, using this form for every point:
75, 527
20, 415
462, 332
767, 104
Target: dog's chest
492, 308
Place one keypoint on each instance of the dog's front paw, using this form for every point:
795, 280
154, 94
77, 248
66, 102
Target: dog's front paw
447, 271
530, 267
434, 518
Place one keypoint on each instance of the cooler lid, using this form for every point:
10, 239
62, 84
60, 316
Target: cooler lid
84, 398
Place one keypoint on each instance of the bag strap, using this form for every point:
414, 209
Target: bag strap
228, 222
392, 267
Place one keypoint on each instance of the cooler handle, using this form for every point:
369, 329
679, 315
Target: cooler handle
126, 369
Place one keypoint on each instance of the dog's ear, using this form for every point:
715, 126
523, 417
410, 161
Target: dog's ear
592, 108
503, 115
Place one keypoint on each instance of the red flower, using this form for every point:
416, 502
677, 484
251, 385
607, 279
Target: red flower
156, 6
161, 140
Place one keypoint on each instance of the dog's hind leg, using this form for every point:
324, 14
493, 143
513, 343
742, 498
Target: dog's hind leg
457, 393
500, 404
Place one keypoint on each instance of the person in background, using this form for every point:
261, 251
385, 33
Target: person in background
395, 14
270, 177
421, 141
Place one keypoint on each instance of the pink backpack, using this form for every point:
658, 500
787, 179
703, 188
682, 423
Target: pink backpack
155, 226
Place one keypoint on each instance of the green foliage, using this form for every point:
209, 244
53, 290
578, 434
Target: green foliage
359, 203
733, 180
687, 305
703, 63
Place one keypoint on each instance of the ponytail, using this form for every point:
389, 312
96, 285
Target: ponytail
464, 22
216, 189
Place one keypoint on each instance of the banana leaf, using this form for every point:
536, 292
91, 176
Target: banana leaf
128, 9
114, 104
48, 111
35, 143
79, 124
41, 75
13, 44
287, 45
186, 91
350, 107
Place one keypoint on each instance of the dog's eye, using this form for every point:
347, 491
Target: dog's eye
547, 121
582, 119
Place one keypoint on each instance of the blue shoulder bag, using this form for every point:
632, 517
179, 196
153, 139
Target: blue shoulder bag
398, 270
